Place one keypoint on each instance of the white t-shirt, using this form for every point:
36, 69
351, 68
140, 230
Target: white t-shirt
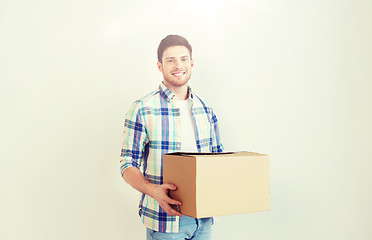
188, 136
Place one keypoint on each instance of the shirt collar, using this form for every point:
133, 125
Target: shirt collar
169, 95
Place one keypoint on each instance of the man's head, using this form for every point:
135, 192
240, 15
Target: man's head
174, 61
170, 41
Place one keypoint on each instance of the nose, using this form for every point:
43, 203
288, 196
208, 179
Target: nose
179, 64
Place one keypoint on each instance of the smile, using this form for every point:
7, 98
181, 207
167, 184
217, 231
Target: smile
178, 74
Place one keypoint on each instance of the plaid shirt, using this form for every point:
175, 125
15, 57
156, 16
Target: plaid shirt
151, 129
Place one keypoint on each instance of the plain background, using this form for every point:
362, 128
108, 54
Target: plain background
288, 78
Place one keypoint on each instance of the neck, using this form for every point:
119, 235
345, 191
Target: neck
180, 92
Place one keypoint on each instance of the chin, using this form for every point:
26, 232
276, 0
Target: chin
177, 83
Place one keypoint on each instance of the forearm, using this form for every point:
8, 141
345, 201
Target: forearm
134, 177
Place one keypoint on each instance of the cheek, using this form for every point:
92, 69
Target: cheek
167, 70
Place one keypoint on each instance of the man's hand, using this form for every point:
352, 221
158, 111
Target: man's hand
160, 194
135, 178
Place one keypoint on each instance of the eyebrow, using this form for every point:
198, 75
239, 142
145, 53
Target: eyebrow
175, 57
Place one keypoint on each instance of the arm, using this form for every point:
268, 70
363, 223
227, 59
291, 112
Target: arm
135, 140
135, 178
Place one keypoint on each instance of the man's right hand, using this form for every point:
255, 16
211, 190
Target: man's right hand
160, 194
135, 178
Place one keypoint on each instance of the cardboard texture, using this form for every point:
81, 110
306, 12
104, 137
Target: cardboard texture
216, 184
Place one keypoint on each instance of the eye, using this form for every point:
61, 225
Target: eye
170, 60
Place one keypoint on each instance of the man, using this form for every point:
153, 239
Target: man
172, 118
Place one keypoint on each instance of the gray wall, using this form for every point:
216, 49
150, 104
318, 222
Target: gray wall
287, 78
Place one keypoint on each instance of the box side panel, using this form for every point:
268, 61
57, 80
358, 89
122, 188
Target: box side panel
181, 172
232, 185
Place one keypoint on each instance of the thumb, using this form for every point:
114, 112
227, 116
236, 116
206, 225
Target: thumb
170, 186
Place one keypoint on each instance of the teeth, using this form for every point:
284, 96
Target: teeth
178, 74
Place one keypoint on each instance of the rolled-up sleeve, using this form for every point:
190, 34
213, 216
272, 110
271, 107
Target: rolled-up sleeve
135, 139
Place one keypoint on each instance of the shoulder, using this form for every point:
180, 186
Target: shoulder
148, 101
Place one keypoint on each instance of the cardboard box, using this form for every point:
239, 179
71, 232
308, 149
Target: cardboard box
215, 184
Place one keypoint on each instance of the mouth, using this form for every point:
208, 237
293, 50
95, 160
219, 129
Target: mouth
178, 74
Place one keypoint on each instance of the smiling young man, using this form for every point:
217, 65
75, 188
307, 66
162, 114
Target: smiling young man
172, 118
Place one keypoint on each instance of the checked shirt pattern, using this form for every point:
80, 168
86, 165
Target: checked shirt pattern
151, 129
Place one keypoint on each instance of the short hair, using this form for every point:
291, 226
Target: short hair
170, 41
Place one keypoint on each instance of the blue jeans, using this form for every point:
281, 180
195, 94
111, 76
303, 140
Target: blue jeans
190, 228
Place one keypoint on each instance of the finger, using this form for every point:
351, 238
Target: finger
172, 201
170, 211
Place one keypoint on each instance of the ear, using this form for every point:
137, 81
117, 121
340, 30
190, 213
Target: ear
160, 66
192, 63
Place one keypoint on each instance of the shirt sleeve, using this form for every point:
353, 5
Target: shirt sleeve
135, 139
216, 140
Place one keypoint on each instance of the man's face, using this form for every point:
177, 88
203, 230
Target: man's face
176, 67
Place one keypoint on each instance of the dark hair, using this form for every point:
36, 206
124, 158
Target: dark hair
172, 40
